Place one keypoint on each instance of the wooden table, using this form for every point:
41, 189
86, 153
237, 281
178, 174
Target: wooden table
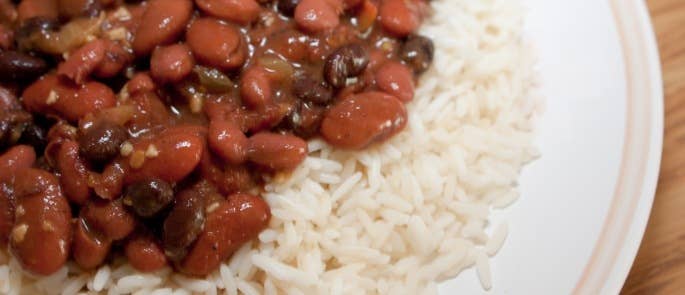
660, 264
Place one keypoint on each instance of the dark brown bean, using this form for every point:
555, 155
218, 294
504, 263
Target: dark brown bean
149, 197
228, 179
88, 250
418, 53
309, 89
172, 63
19, 66
35, 136
362, 119
108, 218
217, 44
287, 7
14, 160
230, 224
347, 61
184, 223
228, 142
162, 23
41, 235
74, 175
144, 253
305, 119
239, 11
276, 151
101, 142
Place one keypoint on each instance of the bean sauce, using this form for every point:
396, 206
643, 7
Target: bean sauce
144, 129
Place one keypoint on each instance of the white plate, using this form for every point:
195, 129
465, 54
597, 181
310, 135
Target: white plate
585, 203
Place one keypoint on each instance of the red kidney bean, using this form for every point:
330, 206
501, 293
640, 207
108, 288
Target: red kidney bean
162, 23
317, 15
276, 151
6, 37
217, 44
6, 213
399, 17
37, 8
83, 61
169, 156
144, 253
41, 235
108, 218
109, 184
75, 8
362, 119
115, 60
230, 225
228, 142
53, 96
396, 79
239, 11
8, 100
74, 175
255, 88
88, 250
172, 63
16, 158
140, 83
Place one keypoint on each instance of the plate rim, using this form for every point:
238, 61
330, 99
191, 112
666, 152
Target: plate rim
615, 251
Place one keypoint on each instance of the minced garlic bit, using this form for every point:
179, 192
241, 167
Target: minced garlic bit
122, 14
137, 159
123, 94
152, 151
126, 149
212, 207
196, 104
19, 232
47, 226
117, 34
19, 211
52, 98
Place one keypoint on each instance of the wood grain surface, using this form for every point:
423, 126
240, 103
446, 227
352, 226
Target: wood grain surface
660, 265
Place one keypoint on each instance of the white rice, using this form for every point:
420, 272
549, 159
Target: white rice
394, 219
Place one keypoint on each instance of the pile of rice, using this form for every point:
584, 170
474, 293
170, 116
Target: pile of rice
394, 219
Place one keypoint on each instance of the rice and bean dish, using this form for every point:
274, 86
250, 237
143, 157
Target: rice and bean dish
258, 146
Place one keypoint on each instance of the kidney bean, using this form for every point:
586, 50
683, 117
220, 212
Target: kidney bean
396, 79
399, 17
228, 179
41, 235
345, 62
172, 63
74, 175
149, 197
305, 120
15, 159
109, 184
140, 83
144, 253
74, 8
233, 223
228, 142
83, 61
317, 16
88, 250
255, 88
217, 44
101, 142
184, 223
108, 218
362, 119
418, 53
115, 60
276, 151
37, 8
6, 37
239, 11
16, 66
308, 89
52, 96
162, 23
169, 156
6, 213
150, 113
